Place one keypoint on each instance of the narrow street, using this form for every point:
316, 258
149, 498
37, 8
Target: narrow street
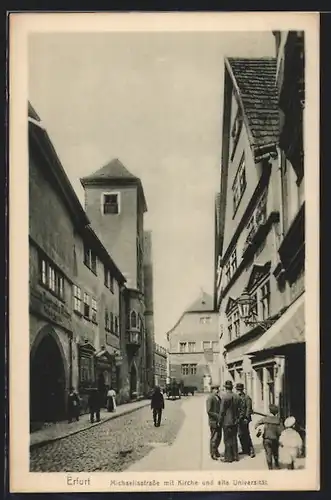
132, 443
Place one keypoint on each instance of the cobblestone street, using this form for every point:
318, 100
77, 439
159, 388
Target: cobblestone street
112, 446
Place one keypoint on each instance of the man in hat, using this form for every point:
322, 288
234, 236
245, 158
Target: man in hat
245, 417
213, 410
229, 420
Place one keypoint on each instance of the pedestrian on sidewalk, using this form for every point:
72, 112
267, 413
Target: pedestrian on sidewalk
272, 429
73, 405
94, 403
229, 417
213, 406
157, 405
111, 401
245, 417
290, 444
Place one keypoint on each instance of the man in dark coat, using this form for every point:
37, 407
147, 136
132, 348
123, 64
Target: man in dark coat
73, 405
157, 405
229, 417
213, 410
94, 403
245, 417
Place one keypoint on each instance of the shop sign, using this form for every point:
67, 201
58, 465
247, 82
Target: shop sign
53, 309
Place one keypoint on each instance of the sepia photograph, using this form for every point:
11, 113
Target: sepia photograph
166, 267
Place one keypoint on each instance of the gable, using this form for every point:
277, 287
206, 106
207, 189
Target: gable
258, 273
230, 305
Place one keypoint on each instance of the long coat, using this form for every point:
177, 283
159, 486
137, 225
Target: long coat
157, 401
229, 412
245, 407
213, 407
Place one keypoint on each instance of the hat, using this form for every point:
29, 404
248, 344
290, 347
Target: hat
289, 422
273, 409
228, 384
239, 386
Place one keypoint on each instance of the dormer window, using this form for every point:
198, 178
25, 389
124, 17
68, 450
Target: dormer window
110, 203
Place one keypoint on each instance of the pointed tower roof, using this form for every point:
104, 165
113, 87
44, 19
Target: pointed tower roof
114, 172
255, 83
203, 303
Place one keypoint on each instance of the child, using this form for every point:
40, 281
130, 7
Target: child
271, 434
291, 444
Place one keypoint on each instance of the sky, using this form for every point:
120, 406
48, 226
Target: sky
153, 100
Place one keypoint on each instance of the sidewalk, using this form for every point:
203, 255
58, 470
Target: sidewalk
60, 430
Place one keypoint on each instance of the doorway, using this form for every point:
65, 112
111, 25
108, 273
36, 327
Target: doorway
47, 382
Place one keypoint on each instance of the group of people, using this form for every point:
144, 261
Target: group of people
230, 414
95, 403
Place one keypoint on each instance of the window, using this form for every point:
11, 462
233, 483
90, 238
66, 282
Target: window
90, 259
109, 279
206, 345
77, 299
191, 347
111, 320
205, 319
111, 203
193, 369
258, 218
133, 319
86, 306
233, 262
184, 369
236, 324
254, 308
85, 369
265, 300
227, 271
215, 346
182, 346
51, 278
239, 184
116, 325
107, 321
94, 311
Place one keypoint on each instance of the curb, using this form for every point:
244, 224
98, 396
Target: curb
77, 431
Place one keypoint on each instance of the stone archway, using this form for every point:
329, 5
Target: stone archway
133, 378
47, 379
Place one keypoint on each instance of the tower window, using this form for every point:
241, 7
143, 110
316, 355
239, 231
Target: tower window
111, 203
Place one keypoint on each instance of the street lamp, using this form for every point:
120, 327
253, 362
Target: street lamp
248, 313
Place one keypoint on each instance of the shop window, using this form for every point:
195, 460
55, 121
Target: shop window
111, 203
87, 307
77, 299
51, 278
184, 369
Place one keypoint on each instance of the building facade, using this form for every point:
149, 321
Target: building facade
160, 365
260, 230
87, 324
115, 204
194, 345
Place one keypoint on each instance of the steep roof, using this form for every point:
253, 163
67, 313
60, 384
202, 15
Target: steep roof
112, 170
203, 303
255, 82
116, 172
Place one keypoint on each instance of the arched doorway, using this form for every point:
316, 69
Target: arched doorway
133, 379
47, 382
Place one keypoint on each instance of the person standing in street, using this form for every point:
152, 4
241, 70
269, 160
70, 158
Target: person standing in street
213, 406
73, 405
245, 417
272, 429
157, 405
94, 403
111, 402
229, 417
290, 444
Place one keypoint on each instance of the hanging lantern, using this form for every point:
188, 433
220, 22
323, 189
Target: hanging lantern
245, 302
